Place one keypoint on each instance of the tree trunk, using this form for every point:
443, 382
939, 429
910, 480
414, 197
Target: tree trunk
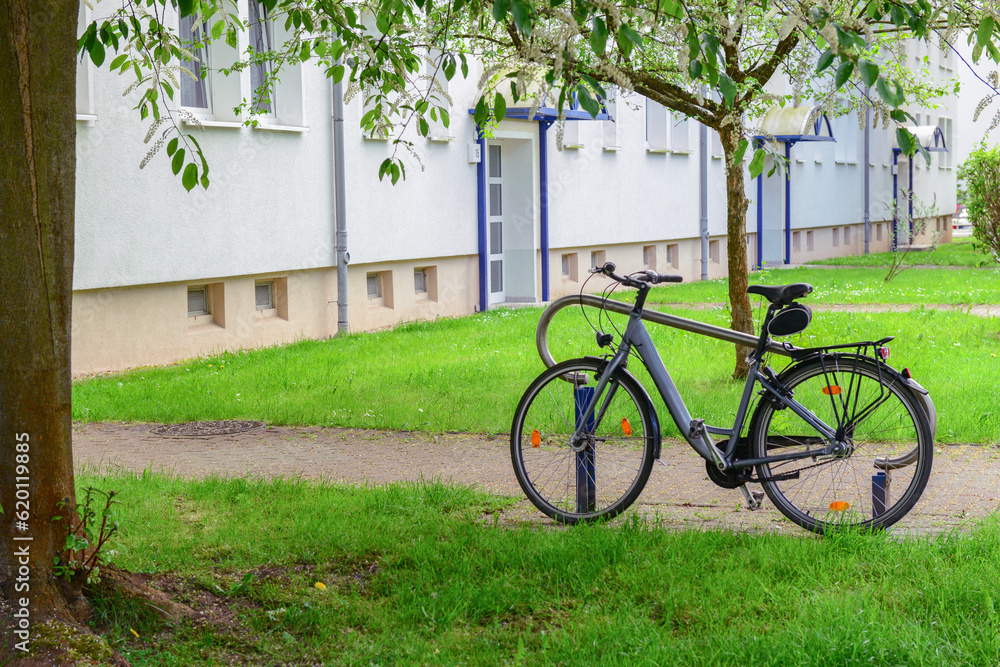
37, 174
736, 225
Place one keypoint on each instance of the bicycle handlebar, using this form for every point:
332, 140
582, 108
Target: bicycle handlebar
634, 279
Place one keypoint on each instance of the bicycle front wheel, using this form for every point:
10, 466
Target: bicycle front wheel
888, 446
603, 473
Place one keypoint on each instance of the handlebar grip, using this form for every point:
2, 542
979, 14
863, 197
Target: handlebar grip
657, 278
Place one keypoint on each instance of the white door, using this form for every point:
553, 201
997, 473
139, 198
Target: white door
494, 224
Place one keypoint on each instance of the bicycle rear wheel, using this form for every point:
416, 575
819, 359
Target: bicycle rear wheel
600, 476
889, 446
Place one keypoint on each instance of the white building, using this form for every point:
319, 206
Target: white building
162, 274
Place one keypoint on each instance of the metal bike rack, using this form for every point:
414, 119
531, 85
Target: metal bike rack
692, 326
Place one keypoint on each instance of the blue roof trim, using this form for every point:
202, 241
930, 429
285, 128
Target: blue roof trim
548, 114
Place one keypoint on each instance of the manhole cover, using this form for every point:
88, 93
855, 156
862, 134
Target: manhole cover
198, 429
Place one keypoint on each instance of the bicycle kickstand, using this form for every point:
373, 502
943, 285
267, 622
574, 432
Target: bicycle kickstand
752, 498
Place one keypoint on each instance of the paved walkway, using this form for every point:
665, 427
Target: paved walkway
964, 485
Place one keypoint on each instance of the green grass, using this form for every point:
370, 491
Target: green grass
957, 253
468, 374
856, 286
421, 574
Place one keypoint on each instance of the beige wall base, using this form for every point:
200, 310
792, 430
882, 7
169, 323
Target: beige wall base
119, 328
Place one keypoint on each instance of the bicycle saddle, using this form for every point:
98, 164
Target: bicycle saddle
783, 294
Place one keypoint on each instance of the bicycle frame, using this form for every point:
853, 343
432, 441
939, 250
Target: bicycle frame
695, 431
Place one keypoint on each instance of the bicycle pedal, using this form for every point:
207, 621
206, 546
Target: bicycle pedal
754, 499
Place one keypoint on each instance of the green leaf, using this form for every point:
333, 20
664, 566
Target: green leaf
825, 60
186, 7
177, 162
190, 177
984, 31
741, 150
587, 101
599, 36
465, 65
868, 71
499, 107
480, 113
172, 146
695, 68
906, 140
218, 29
843, 73
521, 11
500, 9
97, 53
631, 35
728, 89
423, 127
757, 163
305, 52
891, 93
117, 62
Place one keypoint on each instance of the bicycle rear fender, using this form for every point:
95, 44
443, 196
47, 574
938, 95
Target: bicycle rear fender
922, 395
644, 397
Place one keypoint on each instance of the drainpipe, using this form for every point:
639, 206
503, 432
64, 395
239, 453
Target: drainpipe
481, 220
703, 199
895, 200
910, 184
760, 213
788, 202
867, 178
543, 204
340, 207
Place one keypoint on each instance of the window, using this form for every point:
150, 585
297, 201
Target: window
264, 295
196, 93
680, 134
836, 237
716, 144
206, 306
649, 257
379, 286
420, 281
878, 232
672, 255
439, 95
809, 242
609, 128
796, 241
374, 286
569, 266
198, 301
597, 258
84, 81
847, 236
713, 251
656, 127
571, 134
262, 42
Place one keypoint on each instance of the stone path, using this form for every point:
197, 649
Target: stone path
964, 485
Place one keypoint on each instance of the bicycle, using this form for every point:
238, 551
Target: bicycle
837, 439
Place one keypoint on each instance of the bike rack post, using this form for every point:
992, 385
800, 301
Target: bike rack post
880, 494
586, 485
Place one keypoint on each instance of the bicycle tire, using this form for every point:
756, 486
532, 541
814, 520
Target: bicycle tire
605, 477
893, 440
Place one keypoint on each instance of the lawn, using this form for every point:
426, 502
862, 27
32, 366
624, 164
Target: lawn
467, 374
432, 575
960, 252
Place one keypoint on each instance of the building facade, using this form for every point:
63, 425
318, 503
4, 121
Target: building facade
162, 274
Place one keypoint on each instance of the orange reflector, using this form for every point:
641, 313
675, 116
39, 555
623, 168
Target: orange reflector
839, 506
626, 427
832, 390
536, 438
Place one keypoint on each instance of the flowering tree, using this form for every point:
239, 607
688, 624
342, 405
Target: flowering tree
711, 60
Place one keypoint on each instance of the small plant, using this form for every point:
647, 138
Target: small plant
907, 230
89, 530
